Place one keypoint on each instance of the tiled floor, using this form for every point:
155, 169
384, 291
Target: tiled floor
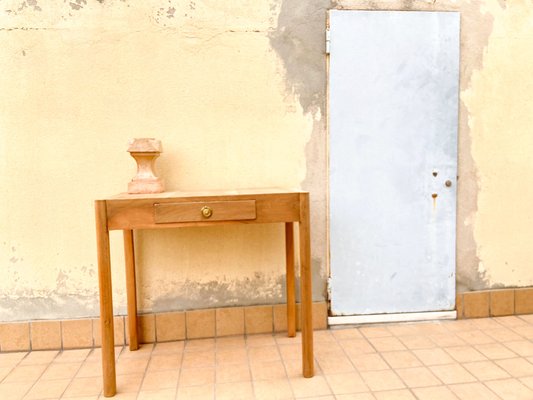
482, 359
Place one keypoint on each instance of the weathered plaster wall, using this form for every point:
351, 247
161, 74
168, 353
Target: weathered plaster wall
500, 104
237, 93
81, 78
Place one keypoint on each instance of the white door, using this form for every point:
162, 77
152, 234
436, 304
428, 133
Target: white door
393, 85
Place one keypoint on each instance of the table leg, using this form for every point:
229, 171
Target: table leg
131, 288
106, 299
291, 297
306, 287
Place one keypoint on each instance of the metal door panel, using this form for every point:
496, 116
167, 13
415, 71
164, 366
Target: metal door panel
393, 145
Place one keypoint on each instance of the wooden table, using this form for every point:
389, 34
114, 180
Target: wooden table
181, 209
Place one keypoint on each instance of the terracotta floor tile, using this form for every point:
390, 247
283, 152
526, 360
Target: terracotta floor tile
234, 391
25, 373
197, 376
503, 335
335, 364
473, 391
11, 359
163, 394
61, 371
447, 340
278, 389
261, 340
417, 377
204, 392
323, 336
118, 396
382, 380
39, 357
268, 370
234, 373
486, 370
357, 346
89, 369
523, 348
356, 396
347, 334
327, 348
231, 356
375, 331
132, 366
306, 387
433, 356
516, 367
85, 387
47, 389
160, 362
510, 321
403, 394
524, 331
346, 383
157, 380
485, 323
527, 317
417, 342
4, 371
460, 325
406, 329
452, 373
282, 338
229, 342
401, 359
434, 393
510, 389
72, 356
168, 347
465, 354
387, 344
369, 362
144, 350
263, 353
495, 351
129, 383
294, 368
291, 351
475, 337
14, 390
200, 345
196, 359
431, 328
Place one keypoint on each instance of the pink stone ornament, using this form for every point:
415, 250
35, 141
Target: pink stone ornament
145, 151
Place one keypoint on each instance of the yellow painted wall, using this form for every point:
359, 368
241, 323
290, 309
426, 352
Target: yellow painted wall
236, 91
77, 83
500, 105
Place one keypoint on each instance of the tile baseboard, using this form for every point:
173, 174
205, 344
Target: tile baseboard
154, 327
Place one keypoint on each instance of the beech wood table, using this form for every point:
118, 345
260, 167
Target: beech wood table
128, 212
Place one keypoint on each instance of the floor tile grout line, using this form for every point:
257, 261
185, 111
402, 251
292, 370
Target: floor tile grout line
176, 391
74, 375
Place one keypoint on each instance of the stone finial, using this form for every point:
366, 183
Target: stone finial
145, 151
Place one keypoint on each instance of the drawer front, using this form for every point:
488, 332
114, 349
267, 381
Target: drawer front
237, 210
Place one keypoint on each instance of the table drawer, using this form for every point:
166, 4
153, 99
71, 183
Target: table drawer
236, 210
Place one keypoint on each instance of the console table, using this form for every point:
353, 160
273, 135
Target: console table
128, 212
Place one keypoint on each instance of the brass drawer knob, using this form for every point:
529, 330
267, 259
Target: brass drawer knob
207, 211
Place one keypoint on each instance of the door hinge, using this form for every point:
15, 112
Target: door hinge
328, 41
328, 287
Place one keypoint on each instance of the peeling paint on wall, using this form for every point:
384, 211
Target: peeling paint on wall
500, 107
